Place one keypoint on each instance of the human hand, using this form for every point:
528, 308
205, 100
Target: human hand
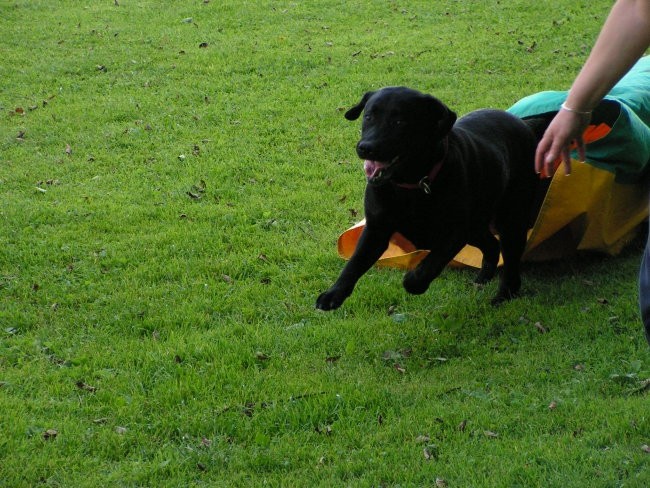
566, 128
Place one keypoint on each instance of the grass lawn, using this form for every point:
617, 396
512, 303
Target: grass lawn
173, 178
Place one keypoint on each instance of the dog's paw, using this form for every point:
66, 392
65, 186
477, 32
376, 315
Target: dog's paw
414, 284
331, 299
485, 275
503, 296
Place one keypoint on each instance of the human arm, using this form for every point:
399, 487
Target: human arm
623, 39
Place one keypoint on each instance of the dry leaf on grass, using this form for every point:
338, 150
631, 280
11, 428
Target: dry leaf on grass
84, 386
540, 328
50, 434
430, 452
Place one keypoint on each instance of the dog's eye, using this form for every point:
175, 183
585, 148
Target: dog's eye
398, 122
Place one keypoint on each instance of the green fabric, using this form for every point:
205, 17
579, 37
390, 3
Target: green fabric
625, 151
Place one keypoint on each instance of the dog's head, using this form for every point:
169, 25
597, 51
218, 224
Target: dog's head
400, 132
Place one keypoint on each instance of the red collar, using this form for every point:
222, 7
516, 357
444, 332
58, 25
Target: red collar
427, 179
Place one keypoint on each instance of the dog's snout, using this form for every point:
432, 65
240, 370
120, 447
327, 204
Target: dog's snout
365, 149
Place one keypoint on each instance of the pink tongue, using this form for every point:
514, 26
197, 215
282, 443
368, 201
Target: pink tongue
372, 168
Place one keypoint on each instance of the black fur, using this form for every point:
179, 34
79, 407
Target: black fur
487, 181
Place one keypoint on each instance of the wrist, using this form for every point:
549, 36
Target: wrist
577, 111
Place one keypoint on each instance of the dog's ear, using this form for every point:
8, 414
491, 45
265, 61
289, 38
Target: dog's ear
447, 121
446, 118
354, 112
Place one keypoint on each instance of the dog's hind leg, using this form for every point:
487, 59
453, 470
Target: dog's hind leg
489, 246
513, 243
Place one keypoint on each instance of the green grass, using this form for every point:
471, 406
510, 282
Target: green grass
169, 340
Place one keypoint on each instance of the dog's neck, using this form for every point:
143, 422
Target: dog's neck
425, 181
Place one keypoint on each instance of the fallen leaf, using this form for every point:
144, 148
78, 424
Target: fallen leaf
102, 420
644, 386
248, 409
50, 434
68, 149
490, 434
203, 45
205, 442
199, 187
430, 452
421, 439
440, 483
603, 301
84, 386
260, 356
645, 448
327, 430
262, 257
193, 196
461, 427
226, 278
21, 135
332, 359
540, 328
552, 405
120, 430
400, 368
19, 110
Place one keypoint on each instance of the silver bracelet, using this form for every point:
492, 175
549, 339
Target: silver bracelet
569, 109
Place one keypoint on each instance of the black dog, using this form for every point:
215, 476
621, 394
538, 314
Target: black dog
442, 184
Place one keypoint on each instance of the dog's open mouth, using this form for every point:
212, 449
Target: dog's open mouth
376, 171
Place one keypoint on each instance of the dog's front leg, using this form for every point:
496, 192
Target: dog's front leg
372, 244
417, 281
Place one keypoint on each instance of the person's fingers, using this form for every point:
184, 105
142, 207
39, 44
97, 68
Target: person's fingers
582, 152
566, 157
555, 151
540, 154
